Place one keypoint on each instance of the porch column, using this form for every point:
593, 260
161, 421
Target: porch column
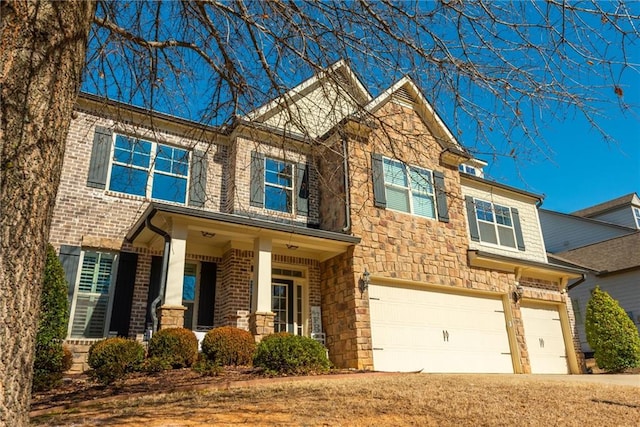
261, 320
172, 310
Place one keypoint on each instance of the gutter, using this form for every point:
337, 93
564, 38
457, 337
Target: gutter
577, 282
165, 267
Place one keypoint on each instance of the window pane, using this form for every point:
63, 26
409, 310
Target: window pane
487, 232
277, 199
394, 173
397, 199
189, 283
278, 172
127, 180
162, 165
506, 236
503, 215
421, 180
484, 211
169, 188
423, 205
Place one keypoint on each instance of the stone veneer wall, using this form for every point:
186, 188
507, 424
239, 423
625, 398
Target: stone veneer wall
396, 245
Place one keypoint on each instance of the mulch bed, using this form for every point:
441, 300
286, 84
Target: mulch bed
79, 388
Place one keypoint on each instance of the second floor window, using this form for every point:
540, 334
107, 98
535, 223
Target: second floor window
409, 188
278, 185
495, 224
149, 169
636, 214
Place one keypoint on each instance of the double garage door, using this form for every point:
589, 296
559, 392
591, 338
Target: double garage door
422, 330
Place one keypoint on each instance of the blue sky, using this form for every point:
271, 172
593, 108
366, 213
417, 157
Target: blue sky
585, 169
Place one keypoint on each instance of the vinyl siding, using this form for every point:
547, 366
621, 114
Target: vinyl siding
623, 216
564, 232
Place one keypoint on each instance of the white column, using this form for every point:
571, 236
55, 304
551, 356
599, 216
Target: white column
175, 275
262, 275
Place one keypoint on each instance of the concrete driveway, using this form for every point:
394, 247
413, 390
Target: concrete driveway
620, 379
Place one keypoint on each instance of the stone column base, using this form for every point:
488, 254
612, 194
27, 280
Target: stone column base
171, 316
261, 325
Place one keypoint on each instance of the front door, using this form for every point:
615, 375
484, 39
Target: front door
286, 304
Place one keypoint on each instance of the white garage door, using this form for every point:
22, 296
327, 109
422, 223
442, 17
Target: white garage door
545, 342
415, 329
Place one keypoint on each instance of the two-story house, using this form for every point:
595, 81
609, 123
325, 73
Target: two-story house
359, 221
604, 240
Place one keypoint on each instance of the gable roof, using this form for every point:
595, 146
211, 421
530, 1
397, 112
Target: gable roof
315, 105
405, 91
608, 256
628, 199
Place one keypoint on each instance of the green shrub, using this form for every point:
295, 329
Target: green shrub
206, 367
229, 346
112, 358
153, 365
177, 346
611, 334
49, 361
284, 353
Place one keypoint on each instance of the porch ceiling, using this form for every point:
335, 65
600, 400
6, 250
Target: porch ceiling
213, 233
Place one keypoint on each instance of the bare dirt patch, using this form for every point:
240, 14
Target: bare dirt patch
359, 400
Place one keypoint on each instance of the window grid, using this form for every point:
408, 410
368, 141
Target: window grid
409, 188
278, 183
149, 169
636, 214
495, 224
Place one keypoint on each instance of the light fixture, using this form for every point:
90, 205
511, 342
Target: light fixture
365, 281
207, 234
518, 292
292, 247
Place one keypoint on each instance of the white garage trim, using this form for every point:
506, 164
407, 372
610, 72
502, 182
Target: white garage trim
425, 329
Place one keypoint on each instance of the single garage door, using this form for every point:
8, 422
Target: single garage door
545, 342
416, 329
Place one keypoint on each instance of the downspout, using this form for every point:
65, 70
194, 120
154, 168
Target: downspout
577, 282
165, 267
347, 207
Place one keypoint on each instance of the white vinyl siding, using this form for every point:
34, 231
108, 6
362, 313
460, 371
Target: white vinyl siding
91, 305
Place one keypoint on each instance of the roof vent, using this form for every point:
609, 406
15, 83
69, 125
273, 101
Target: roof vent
403, 96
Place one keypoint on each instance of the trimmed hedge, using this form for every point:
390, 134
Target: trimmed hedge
112, 358
611, 333
50, 360
284, 353
229, 346
178, 347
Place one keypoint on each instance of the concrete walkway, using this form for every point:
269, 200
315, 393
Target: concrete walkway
620, 379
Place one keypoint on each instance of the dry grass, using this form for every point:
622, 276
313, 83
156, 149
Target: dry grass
402, 399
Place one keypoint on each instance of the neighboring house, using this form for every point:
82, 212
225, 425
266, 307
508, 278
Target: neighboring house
358, 227
603, 240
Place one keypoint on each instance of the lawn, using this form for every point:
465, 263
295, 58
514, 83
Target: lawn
364, 400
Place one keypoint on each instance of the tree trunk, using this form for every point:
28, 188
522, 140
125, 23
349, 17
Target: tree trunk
42, 53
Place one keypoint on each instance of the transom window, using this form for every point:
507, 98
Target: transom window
149, 169
409, 188
495, 224
278, 185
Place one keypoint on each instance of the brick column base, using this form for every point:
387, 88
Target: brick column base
261, 325
171, 316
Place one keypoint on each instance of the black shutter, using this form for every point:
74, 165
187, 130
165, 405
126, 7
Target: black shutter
207, 294
379, 196
518, 228
99, 163
471, 217
302, 188
257, 180
123, 294
154, 286
441, 196
198, 183
70, 259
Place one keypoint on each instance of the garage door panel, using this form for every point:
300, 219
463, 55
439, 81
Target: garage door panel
414, 329
545, 340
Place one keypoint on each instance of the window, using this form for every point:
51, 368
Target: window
189, 284
149, 169
577, 311
467, 169
278, 185
636, 214
495, 224
91, 303
409, 188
